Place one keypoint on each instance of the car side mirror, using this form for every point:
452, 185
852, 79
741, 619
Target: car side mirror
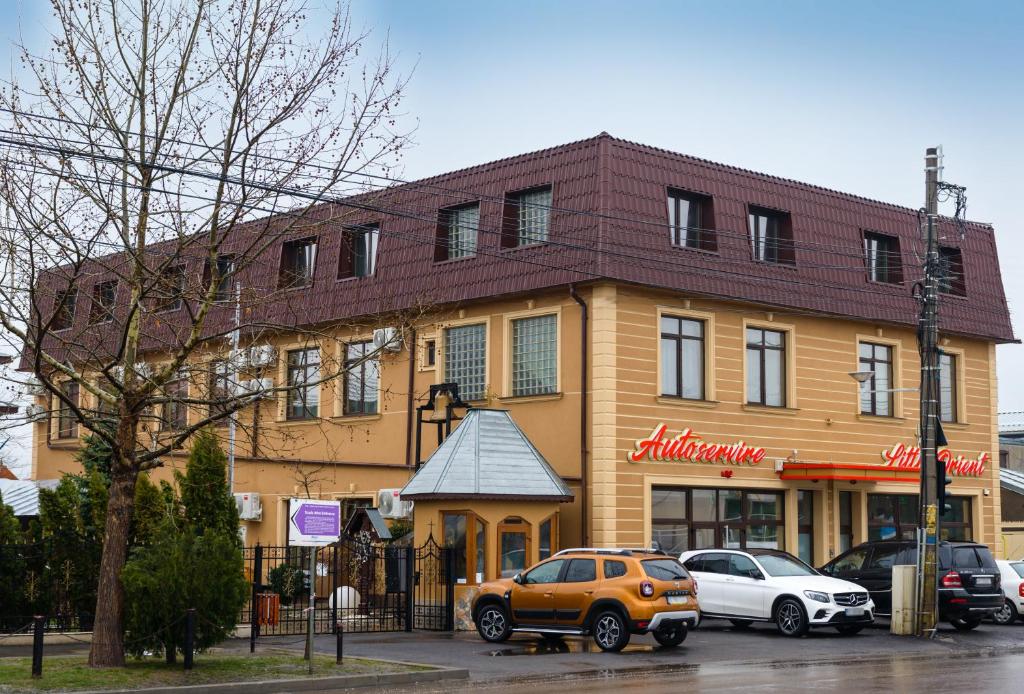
518, 578
758, 575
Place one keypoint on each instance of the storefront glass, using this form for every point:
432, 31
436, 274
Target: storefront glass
805, 521
894, 516
845, 521
683, 519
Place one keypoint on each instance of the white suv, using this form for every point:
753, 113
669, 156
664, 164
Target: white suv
1012, 575
765, 585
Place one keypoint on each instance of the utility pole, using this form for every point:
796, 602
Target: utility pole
233, 383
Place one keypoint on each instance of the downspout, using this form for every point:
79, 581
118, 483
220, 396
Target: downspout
410, 402
584, 317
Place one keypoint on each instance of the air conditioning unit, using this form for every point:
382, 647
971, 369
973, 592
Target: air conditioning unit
249, 508
35, 413
388, 339
259, 387
261, 356
391, 505
35, 387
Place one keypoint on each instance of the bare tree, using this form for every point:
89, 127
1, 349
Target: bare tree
153, 162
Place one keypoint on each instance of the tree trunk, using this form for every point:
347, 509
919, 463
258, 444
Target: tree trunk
108, 630
170, 653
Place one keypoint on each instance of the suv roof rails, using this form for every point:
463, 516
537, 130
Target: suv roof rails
622, 551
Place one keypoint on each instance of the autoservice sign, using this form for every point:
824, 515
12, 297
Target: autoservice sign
313, 523
689, 446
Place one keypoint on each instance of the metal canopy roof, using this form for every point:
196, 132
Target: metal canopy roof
487, 456
1012, 480
23, 495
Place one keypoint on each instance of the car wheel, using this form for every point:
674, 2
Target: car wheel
849, 629
741, 623
964, 624
610, 632
790, 618
671, 636
492, 624
1006, 615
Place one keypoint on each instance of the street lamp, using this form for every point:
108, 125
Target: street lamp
863, 377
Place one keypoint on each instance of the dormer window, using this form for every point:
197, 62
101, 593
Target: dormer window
358, 251
225, 278
64, 309
103, 296
951, 271
169, 289
771, 236
691, 221
527, 217
298, 260
882, 255
457, 232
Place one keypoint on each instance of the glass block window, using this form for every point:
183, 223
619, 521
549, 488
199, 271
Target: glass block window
362, 379
534, 209
304, 393
458, 232
534, 355
465, 359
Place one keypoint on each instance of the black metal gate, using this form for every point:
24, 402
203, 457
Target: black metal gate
361, 584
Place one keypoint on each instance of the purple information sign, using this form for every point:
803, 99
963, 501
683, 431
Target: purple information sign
314, 522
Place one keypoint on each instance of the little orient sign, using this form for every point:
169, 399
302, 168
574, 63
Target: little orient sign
691, 446
313, 523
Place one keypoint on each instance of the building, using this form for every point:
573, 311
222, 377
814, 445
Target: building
674, 336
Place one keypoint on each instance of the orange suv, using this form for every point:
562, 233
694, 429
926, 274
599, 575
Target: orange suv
607, 593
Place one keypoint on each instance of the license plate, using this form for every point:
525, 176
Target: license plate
854, 611
983, 581
676, 599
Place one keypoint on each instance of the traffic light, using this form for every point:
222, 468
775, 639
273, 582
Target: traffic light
942, 478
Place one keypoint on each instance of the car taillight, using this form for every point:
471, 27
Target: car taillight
952, 580
646, 589
1020, 589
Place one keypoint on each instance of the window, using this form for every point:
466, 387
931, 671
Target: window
64, 309
951, 271
545, 573
547, 538
895, 517
513, 546
766, 367
740, 565
362, 379
947, 387
304, 392
298, 260
534, 356
854, 561
690, 222
876, 397
466, 535
581, 571
103, 296
430, 353
358, 251
771, 236
613, 568
845, 521
465, 359
225, 278
882, 255
220, 390
457, 232
684, 519
682, 357
175, 410
805, 525
169, 289
67, 421
526, 218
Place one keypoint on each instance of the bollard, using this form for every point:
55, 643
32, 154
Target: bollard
190, 636
339, 632
37, 646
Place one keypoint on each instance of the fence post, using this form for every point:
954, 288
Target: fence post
190, 636
449, 577
257, 576
410, 587
37, 646
339, 631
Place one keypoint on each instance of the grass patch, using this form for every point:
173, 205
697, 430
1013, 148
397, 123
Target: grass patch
70, 673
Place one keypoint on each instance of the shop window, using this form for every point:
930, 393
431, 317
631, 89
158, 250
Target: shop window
169, 290
951, 271
684, 519
527, 217
771, 236
457, 229
465, 359
895, 516
176, 409
67, 420
845, 521
947, 387
882, 255
613, 568
358, 251
682, 357
956, 524
547, 541
64, 309
298, 260
805, 525
691, 221
766, 367
535, 355
581, 571
103, 296
465, 533
670, 529
513, 547
362, 379
303, 389
876, 397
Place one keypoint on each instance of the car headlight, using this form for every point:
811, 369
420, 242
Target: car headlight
817, 596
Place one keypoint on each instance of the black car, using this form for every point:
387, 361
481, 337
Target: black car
969, 580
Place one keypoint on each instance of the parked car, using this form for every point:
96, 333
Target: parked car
1012, 581
968, 577
766, 585
606, 593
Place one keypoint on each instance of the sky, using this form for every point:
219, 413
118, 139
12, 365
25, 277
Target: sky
842, 95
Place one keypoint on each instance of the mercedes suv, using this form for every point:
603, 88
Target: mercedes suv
605, 593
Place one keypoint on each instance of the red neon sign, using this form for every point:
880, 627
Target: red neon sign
909, 458
690, 446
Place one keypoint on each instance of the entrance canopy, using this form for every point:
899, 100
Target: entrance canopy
487, 457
